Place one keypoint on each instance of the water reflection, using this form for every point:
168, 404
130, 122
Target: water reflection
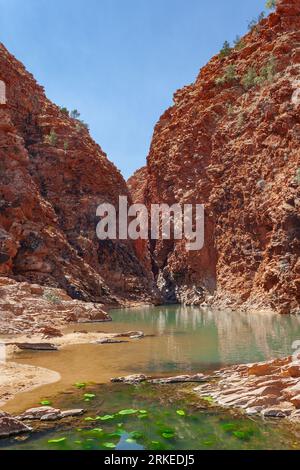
218, 337
186, 339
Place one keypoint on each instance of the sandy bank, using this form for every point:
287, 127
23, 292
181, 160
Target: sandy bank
18, 378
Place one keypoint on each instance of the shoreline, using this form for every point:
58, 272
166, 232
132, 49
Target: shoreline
18, 378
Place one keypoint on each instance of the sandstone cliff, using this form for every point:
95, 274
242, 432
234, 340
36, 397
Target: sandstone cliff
52, 178
232, 142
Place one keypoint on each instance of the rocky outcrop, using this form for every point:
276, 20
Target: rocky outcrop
52, 178
30, 308
179, 379
270, 389
48, 413
232, 142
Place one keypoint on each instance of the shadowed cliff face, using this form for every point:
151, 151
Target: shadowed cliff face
50, 188
232, 142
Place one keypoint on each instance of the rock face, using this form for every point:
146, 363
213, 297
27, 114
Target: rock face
232, 142
30, 308
52, 178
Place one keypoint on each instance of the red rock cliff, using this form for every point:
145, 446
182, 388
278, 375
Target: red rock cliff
50, 188
232, 142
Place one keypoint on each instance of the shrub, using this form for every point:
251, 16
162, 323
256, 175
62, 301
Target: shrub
268, 71
271, 4
229, 76
240, 120
230, 109
250, 78
239, 43
253, 23
75, 114
51, 139
226, 50
81, 125
51, 297
65, 111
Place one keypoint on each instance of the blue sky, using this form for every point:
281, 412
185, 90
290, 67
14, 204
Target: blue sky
120, 61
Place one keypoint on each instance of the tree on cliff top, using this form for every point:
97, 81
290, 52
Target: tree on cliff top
271, 4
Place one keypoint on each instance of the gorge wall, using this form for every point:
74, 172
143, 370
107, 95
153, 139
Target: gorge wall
232, 142
52, 178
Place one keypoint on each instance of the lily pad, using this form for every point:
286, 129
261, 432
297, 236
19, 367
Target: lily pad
109, 445
80, 385
105, 418
130, 441
46, 403
127, 412
168, 435
89, 396
57, 441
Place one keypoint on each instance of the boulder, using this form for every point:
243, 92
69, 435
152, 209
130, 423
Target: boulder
72, 413
10, 426
275, 413
39, 413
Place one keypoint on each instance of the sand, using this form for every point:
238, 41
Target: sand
18, 378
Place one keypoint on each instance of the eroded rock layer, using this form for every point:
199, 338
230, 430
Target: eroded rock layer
52, 178
232, 142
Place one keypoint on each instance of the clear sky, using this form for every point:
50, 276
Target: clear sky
120, 61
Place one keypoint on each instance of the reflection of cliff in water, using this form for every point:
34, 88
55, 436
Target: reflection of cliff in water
195, 338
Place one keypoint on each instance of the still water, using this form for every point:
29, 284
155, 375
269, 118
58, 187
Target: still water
181, 340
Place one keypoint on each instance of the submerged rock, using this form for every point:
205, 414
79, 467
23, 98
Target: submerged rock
36, 346
131, 335
180, 379
138, 378
131, 379
109, 341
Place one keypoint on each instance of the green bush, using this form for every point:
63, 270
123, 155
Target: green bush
51, 139
253, 23
268, 71
239, 43
230, 109
51, 297
240, 120
249, 80
226, 50
271, 4
229, 76
81, 125
65, 111
75, 114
